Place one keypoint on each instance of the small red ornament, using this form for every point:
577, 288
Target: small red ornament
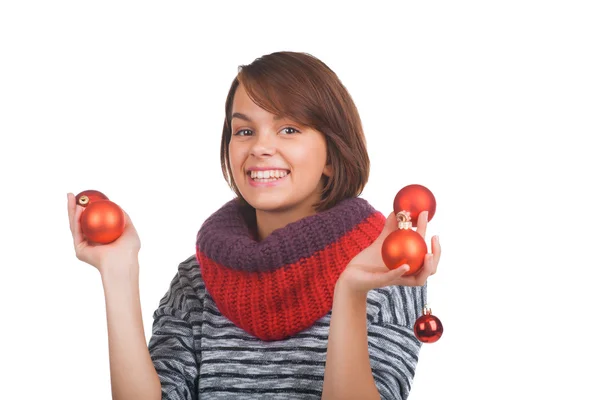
89, 196
428, 328
415, 199
102, 221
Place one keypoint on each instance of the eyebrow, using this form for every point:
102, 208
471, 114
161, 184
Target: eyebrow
247, 118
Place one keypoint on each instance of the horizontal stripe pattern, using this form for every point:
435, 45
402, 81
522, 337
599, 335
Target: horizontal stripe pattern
199, 353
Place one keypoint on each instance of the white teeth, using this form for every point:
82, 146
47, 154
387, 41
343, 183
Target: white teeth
269, 175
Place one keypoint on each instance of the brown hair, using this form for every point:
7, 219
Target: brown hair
301, 87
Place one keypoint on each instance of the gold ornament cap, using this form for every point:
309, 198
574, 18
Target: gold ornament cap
84, 200
403, 218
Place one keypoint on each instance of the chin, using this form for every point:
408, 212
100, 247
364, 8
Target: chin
268, 203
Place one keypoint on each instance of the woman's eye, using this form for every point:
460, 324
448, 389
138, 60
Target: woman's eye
289, 127
239, 133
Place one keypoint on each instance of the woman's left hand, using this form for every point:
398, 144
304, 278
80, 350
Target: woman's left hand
367, 270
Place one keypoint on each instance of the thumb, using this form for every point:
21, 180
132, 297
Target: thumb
129, 227
390, 277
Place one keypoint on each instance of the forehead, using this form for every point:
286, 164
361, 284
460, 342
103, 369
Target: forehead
241, 100
243, 108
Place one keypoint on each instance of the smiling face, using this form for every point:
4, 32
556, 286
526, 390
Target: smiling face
276, 163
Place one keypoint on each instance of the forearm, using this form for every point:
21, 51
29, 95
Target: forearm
348, 372
132, 372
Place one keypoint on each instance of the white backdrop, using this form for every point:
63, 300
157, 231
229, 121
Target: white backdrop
494, 106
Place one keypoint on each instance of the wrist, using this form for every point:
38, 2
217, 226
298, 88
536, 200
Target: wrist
345, 290
123, 271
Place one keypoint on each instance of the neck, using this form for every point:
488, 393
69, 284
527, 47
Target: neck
268, 221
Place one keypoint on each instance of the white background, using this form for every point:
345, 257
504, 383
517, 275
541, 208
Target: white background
494, 106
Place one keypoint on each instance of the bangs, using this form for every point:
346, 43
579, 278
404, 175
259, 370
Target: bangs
279, 95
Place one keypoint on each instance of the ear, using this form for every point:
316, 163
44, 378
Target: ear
327, 171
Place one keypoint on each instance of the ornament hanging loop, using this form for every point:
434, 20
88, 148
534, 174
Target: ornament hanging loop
403, 218
84, 200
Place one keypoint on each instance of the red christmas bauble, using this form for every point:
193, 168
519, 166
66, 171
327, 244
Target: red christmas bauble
415, 199
89, 196
102, 221
428, 328
404, 246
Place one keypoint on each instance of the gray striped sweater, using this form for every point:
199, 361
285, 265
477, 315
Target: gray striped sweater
200, 354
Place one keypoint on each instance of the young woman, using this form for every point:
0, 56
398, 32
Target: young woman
286, 296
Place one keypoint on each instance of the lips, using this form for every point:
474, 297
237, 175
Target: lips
268, 177
267, 173
249, 170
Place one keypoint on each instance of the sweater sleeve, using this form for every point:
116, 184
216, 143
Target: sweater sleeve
172, 346
393, 347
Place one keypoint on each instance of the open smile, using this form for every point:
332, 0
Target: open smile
267, 178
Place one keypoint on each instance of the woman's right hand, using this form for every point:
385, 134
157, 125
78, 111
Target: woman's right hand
117, 254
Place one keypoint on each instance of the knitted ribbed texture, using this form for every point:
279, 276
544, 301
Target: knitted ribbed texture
280, 286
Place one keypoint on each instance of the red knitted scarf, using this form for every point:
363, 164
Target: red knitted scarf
281, 285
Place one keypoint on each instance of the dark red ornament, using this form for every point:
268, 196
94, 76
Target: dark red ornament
428, 328
415, 199
89, 196
102, 221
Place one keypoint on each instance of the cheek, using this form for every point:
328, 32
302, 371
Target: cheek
310, 159
236, 161
236, 157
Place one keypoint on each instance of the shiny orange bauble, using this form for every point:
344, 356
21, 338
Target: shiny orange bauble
428, 328
89, 196
404, 246
415, 199
102, 221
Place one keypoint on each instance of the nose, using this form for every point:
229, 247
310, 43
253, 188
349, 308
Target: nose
264, 145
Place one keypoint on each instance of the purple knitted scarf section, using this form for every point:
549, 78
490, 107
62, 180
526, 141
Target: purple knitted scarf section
226, 238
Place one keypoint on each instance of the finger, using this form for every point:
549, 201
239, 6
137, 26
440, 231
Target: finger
372, 268
401, 270
128, 224
70, 211
422, 224
436, 250
420, 277
391, 277
430, 264
77, 234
